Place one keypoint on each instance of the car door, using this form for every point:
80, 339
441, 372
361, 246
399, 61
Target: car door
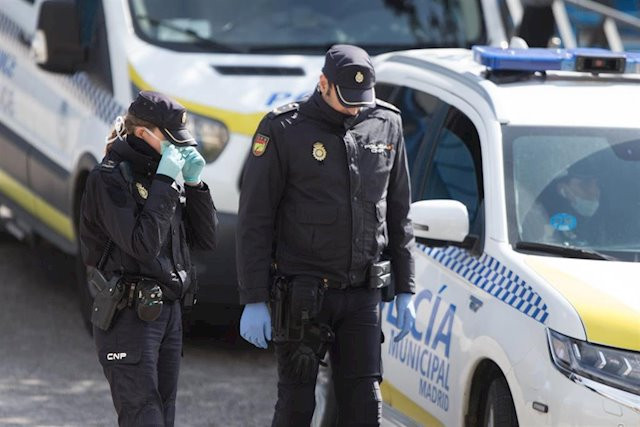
68, 106
445, 164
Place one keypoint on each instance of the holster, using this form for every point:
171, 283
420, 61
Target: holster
296, 303
105, 304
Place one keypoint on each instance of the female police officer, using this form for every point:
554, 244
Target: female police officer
135, 228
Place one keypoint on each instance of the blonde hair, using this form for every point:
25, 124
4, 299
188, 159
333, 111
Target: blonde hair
125, 126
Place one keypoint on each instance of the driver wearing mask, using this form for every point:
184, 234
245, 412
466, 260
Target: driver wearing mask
568, 210
573, 208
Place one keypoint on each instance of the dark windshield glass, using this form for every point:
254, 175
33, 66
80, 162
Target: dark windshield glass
293, 26
575, 187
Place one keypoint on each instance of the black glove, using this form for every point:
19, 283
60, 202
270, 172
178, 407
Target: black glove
303, 363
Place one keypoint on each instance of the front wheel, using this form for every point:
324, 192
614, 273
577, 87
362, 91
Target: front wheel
499, 410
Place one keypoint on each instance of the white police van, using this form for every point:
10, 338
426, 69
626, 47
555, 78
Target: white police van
525, 166
68, 68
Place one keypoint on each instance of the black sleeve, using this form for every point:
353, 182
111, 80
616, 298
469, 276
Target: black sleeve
399, 225
201, 221
262, 186
139, 234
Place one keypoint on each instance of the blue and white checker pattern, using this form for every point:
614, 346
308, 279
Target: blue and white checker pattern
491, 276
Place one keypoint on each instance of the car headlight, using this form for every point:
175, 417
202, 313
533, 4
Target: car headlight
212, 135
616, 368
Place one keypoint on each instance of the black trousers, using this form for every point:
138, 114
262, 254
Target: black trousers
354, 316
141, 361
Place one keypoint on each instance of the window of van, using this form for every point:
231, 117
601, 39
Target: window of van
292, 26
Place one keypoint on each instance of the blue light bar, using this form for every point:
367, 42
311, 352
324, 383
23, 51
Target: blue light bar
590, 60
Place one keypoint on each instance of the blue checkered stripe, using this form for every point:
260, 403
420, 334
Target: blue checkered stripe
100, 101
95, 98
491, 276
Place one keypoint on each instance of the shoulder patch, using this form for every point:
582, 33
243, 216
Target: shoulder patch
292, 106
260, 143
387, 105
108, 165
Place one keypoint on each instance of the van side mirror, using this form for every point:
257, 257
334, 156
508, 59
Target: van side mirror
56, 45
446, 220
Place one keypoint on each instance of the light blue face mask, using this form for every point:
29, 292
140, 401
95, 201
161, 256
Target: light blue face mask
585, 207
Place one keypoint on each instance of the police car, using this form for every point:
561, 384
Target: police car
68, 68
525, 166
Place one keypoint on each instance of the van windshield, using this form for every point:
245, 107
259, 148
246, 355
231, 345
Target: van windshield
307, 27
574, 188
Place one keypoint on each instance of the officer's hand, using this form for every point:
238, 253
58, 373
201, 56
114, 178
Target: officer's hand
255, 324
171, 162
406, 314
194, 163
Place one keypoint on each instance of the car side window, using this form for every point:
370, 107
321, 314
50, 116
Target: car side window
455, 171
418, 117
418, 111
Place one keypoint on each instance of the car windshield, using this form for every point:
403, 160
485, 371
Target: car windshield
574, 188
307, 27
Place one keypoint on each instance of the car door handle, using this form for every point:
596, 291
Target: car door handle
474, 303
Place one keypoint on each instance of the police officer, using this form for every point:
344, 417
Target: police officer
325, 190
136, 226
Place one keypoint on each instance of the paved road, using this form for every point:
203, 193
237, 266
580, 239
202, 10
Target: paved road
49, 374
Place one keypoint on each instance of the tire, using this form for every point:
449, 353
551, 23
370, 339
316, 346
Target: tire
85, 294
499, 410
326, 412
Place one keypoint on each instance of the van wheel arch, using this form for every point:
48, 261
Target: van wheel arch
487, 379
85, 165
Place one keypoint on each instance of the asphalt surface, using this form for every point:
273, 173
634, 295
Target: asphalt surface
50, 376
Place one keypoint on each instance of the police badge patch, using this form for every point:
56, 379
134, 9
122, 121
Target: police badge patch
259, 144
319, 152
142, 191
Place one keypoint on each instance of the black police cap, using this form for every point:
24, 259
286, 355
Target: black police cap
169, 116
350, 69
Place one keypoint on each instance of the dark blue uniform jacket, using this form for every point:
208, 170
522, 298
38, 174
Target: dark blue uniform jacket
153, 222
323, 194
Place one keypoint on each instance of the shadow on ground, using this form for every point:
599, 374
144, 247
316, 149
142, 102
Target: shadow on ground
49, 373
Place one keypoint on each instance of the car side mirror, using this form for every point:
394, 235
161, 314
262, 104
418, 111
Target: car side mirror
56, 45
446, 220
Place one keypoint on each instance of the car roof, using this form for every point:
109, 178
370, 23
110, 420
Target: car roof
557, 99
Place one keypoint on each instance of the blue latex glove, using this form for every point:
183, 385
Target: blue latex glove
194, 163
163, 146
406, 314
171, 162
255, 324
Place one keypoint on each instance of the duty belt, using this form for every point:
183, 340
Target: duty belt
377, 276
131, 287
336, 284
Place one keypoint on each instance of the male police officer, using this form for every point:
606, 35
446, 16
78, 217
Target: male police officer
324, 191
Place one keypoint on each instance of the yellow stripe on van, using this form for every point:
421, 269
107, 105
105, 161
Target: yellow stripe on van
397, 400
33, 204
242, 123
606, 320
